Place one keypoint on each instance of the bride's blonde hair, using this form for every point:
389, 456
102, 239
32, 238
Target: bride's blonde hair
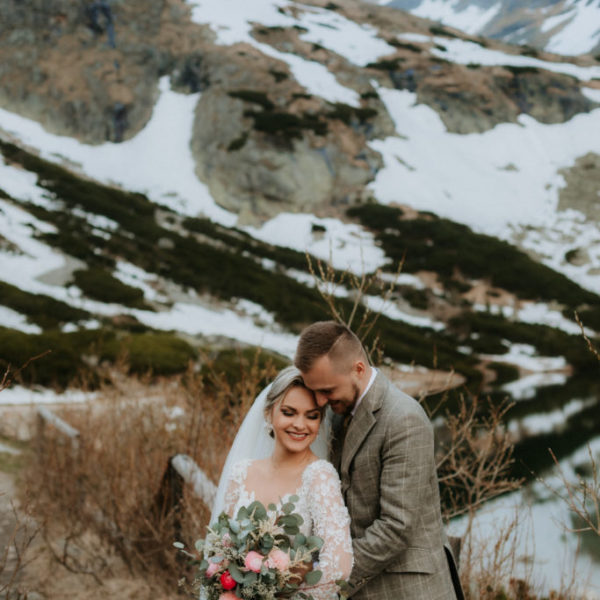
286, 379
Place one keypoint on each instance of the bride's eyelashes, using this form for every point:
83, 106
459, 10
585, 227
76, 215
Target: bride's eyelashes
313, 416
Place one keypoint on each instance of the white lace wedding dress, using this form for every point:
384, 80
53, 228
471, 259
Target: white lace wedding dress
321, 506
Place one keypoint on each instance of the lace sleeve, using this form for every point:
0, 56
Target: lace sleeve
331, 522
234, 486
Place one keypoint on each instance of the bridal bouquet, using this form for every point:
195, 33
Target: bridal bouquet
258, 554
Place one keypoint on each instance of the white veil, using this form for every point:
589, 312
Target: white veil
253, 441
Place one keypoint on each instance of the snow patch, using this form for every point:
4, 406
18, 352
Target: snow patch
470, 19
348, 246
468, 181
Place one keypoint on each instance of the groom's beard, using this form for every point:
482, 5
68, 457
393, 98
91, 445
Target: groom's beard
344, 406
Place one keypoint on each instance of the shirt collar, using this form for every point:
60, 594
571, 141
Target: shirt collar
371, 380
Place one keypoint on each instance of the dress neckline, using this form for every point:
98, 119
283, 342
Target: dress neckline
250, 494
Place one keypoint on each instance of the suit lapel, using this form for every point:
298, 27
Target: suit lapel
362, 423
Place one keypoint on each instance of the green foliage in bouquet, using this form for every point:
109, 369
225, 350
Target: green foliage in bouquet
259, 554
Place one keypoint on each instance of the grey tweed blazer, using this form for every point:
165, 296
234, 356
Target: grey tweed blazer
390, 486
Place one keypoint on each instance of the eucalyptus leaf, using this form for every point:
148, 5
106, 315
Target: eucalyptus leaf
234, 526
178, 545
314, 542
313, 577
242, 513
235, 572
292, 529
250, 578
299, 540
258, 510
267, 543
293, 498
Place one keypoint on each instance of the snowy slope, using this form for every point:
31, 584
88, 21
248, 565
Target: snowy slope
569, 27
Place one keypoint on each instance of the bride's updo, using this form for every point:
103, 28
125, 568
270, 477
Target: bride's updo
286, 379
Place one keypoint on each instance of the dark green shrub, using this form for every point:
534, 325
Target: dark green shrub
279, 76
377, 216
405, 46
286, 125
547, 340
521, 70
349, 114
230, 364
504, 373
101, 285
371, 95
254, 97
439, 30
590, 317
417, 298
63, 364
386, 65
157, 353
131, 210
238, 143
45, 311
440, 245
530, 51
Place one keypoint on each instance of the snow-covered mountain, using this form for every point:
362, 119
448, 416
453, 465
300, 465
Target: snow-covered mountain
569, 27
275, 117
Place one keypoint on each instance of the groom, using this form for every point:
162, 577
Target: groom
383, 449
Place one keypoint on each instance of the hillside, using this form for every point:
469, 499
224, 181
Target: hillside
359, 133
564, 26
355, 95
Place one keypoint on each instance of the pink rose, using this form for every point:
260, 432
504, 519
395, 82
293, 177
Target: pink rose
228, 596
213, 567
253, 561
278, 559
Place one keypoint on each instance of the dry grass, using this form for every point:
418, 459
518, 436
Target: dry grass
102, 495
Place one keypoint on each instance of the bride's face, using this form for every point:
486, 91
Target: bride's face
296, 419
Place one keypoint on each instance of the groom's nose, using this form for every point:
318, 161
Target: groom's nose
321, 399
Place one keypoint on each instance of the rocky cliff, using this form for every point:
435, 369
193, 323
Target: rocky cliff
90, 70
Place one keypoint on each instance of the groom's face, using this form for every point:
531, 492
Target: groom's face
333, 384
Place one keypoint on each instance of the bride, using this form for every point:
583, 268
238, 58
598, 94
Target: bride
279, 452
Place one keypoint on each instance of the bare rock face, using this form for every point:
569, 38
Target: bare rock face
86, 70
474, 99
261, 143
264, 146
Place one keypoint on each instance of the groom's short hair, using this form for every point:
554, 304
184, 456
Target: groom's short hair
329, 338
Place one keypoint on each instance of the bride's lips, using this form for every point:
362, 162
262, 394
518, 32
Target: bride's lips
297, 436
